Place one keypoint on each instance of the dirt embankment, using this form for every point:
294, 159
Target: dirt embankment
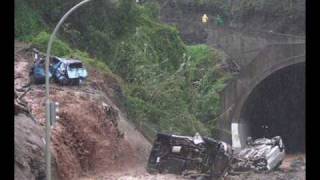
86, 141
92, 140
28, 149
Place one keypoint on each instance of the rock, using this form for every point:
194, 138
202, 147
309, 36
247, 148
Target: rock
29, 150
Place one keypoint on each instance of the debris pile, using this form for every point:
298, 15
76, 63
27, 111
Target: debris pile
261, 155
86, 139
190, 156
205, 157
19, 104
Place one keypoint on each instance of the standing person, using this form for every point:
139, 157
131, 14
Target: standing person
205, 19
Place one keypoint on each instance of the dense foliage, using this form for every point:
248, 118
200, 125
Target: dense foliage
169, 86
27, 22
286, 16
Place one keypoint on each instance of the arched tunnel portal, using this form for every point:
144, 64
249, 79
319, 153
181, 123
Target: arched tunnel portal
276, 106
268, 92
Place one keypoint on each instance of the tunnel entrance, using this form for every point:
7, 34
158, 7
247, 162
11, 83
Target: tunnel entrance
276, 106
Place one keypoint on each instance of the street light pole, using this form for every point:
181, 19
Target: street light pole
48, 124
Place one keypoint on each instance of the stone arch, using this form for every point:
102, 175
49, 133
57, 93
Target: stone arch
256, 80
270, 60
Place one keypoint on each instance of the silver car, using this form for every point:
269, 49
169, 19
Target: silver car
262, 154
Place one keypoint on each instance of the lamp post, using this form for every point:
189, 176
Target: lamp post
48, 122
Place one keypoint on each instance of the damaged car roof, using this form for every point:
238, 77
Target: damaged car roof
67, 61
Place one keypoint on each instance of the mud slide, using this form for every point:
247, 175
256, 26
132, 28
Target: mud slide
92, 139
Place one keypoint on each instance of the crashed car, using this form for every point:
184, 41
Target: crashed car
61, 70
189, 156
68, 71
37, 72
262, 154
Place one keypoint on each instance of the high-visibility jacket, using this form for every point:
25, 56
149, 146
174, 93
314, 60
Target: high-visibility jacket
204, 18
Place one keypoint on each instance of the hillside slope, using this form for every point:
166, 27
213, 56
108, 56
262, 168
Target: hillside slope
162, 91
91, 140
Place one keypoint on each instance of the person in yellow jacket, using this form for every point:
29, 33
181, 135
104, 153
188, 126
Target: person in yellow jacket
205, 19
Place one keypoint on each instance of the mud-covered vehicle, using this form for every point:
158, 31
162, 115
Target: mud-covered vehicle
61, 70
197, 156
37, 72
262, 154
68, 71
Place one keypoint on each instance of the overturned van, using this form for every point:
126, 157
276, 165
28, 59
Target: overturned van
189, 156
207, 158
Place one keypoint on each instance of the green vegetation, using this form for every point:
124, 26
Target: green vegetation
59, 48
186, 100
270, 9
169, 87
266, 13
27, 22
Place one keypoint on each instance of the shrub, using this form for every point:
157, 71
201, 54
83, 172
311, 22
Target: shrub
26, 22
59, 48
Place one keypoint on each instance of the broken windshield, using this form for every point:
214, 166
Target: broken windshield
75, 65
